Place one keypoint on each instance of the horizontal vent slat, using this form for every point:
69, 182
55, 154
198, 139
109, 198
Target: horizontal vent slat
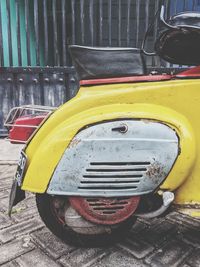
106, 187
117, 170
116, 167
92, 199
100, 204
119, 163
110, 208
110, 182
109, 212
112, 176
91, 179
99, 190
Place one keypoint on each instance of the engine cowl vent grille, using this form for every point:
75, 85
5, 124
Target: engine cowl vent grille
108, 206
113, 175
100, 162
105, 210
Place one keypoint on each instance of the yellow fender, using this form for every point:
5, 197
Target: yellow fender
160, 101
47, 156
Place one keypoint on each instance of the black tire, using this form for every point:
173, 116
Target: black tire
66, 234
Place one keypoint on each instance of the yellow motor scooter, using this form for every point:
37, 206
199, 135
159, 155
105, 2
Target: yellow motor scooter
126, 146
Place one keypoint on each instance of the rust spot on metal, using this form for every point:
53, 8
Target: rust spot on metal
106, 211
155, 170
74, 142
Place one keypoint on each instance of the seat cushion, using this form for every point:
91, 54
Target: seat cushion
181, 45
94, 63
186, 19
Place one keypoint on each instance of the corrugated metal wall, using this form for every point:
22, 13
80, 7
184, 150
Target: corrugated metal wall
34, 36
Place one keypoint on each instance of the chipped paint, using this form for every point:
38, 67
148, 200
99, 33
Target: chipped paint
106, 163
155, 171
74, 142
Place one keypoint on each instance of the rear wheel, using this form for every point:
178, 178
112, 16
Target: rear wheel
80, 232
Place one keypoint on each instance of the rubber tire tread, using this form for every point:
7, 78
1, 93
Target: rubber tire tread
70, 237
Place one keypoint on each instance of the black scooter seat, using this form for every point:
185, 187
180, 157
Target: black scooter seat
186, 19
107, 62
180, 42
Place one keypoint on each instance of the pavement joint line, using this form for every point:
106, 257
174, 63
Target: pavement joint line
4, 163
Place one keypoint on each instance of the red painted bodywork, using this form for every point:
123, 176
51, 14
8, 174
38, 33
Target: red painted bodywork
107, 211
133, 79
190, 73
20, 134
23, 133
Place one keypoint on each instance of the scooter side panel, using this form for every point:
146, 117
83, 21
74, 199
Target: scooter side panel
116, 158
97, 104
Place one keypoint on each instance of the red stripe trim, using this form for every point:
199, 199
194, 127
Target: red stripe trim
146, 78
191, 73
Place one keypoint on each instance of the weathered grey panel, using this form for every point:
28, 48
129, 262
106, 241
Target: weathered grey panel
116, 158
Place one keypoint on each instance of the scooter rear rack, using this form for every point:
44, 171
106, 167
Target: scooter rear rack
26, 110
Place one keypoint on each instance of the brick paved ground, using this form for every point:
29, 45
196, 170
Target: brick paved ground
25, 241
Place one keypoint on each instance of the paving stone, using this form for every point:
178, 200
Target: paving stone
6, 184
118, 259
4, 205
191, 236
172, 254
9, 152
51, 244
7, 170
35, 258
184, 220
10, 264
5, 176
194, 260
12, 250
159, 233
82, 257
137, 247
4, 221
22, 228
4, 193
139, 227
26, 214
152, 221
30, 200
